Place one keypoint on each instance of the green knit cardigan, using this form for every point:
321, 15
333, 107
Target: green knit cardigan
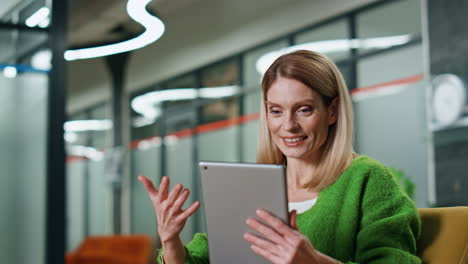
364, 217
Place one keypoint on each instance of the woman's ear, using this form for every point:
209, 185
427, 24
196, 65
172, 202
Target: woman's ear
332, 111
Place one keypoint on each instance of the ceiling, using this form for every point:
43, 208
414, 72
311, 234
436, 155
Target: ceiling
92, 22
97, 22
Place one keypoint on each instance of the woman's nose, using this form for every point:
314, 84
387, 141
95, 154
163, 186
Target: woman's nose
290, 123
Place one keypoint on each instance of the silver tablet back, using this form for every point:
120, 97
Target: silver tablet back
232, 192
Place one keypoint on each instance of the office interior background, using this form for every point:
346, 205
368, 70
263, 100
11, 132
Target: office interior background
194, 94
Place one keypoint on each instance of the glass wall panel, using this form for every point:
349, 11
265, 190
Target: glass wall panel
217, 137
142, 127
218, 141
183, 82
76, 202
224, 73
220, 76
388, 25
401, 63
77, 183
180, 167
100, 182
251, 77
331, 39
392, 128
145, 155
249, 142
252, 99
23, 122
146, 160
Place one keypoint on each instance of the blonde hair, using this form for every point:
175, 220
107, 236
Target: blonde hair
321, 74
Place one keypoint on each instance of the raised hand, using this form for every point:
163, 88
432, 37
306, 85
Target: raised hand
170, 216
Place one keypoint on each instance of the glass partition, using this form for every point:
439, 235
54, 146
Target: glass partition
100, 182
179, 151
331, 39
77, 187
391, 24
23, 118
251, 100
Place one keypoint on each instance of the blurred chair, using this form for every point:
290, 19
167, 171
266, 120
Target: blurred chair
444, 235
112, 249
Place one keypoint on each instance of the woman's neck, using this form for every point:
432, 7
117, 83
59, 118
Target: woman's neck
299, 171
297, 174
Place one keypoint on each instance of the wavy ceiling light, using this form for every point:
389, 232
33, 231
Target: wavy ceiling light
154, 28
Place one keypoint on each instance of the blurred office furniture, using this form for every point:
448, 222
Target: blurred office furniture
112, 249
444, 235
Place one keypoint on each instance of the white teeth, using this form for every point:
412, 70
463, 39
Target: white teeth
293, 139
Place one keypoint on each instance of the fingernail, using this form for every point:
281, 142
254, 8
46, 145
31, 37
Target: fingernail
260, 212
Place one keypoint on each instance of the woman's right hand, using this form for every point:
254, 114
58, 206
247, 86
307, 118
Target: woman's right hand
168, 207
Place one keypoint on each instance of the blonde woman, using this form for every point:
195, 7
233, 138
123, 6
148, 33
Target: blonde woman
345, 208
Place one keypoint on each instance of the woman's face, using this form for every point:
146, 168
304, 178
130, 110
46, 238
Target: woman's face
297, 118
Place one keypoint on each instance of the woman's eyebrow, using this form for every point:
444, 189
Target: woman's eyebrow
306, 101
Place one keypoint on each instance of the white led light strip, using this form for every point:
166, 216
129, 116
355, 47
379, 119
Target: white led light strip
137, 11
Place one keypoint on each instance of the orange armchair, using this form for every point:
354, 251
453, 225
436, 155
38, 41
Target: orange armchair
444, 235
114, 249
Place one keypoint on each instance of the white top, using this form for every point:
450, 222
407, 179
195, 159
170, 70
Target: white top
303, 206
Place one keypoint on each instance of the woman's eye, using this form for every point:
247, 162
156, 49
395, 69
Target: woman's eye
275, 111
306, 110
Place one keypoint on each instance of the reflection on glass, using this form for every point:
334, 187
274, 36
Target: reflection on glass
330, 47
327, 35
399, 18
220, 110
224, 73
220, 79
251, 77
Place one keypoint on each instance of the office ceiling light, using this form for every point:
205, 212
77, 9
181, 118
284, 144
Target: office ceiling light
87, 125
70, 137
42, 60
10, 72
333, 46
148, 105
38, 17
44, 23
137, 11
85, 151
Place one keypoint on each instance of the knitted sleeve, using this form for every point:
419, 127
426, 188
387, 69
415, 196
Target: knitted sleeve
390, 224
197, 250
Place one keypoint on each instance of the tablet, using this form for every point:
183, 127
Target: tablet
232, 192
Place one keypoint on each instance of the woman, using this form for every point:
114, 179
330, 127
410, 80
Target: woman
347, 208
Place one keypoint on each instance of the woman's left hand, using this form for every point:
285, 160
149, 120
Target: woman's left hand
280, 243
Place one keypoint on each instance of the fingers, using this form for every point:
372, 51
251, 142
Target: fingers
265, 230
174, 194
181, 199
163, 188
273, 221
150, 189
187, 213
266, 254
259, 242
293, 219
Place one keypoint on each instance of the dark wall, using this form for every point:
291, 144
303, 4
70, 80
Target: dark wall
448, 35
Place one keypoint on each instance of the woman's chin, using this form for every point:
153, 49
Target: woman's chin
294, 154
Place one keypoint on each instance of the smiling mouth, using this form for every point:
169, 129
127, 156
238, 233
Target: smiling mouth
293, 141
